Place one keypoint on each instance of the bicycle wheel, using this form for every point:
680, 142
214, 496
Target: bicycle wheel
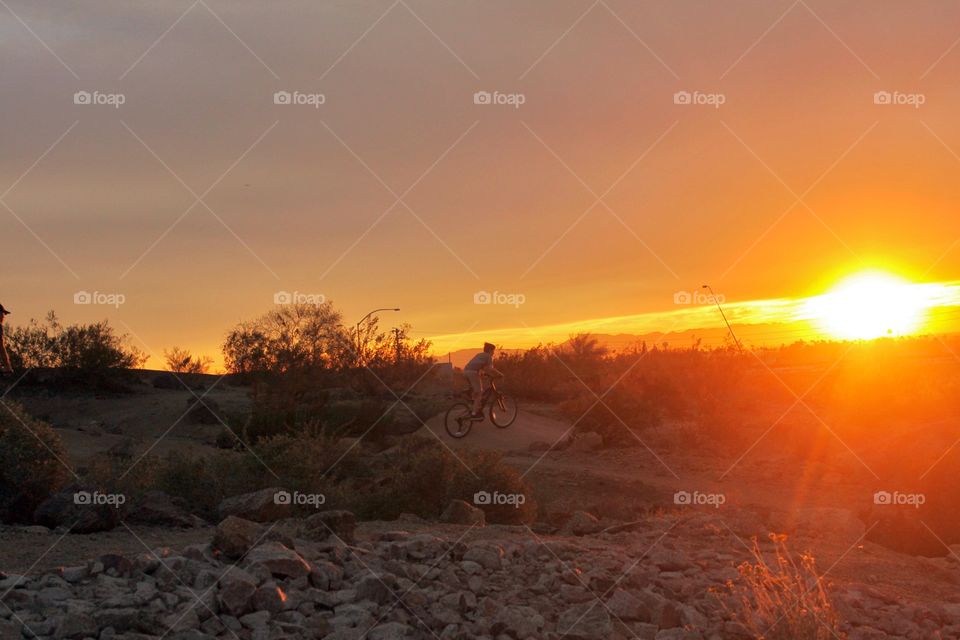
457, 421
503, 411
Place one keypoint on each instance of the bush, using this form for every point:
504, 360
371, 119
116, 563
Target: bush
785, 599
301, 462
89, 347
182, 361
32, 463
425, 477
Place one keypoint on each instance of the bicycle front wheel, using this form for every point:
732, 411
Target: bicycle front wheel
457, 421
503, 411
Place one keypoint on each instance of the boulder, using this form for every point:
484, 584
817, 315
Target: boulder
487, 555
519, 622
236, 590
259, 506
234, 536
460, 512
279, 560
588, 621
341, 524
270, 598
159, 509
75, 507
580, 523
628, 607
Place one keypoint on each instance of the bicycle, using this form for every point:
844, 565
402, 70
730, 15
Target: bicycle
501, 409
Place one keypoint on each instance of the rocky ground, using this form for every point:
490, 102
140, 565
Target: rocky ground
325, 577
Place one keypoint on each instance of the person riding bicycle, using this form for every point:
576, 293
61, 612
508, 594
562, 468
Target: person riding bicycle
480, 365
4, 356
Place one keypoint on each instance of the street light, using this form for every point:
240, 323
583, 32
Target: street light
724, 316
364, 319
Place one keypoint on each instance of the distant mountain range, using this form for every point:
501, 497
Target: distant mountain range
613, 342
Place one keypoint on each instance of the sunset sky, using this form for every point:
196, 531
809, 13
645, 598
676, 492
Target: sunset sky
592, 192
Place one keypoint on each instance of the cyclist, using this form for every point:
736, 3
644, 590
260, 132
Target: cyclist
4, 356
480, 365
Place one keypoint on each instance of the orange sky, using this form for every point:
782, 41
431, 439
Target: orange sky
597, 197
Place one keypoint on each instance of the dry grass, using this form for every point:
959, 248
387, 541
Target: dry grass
785, 599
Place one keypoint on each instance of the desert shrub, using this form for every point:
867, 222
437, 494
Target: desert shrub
284, 404
301, 462
80, 346
290, 337
182, 361
785, 599
32, 463
425, 477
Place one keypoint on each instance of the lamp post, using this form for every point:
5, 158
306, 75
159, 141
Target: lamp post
364, 319
717, 301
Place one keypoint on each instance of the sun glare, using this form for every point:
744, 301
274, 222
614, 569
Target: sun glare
870, 305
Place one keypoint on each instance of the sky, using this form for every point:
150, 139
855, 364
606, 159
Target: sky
514, 169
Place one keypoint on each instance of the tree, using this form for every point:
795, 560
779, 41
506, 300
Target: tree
182, 361
79, 346
289, 338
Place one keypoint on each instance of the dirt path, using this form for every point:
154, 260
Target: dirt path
528, 428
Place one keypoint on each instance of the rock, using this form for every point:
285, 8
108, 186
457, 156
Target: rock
487, 555
255, 620
586, 442
518, 622
279, 560
374, 589
259, 506
628, 607
581, 523
589, 621
234, 536
236, 590
326, 575
461, 512
74, 574
538, 446
157, 508
75, 508
270, 598
76, 625
338, 523
390, 631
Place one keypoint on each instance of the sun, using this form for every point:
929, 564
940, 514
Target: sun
869, 305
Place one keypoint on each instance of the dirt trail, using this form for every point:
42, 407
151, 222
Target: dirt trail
528, 428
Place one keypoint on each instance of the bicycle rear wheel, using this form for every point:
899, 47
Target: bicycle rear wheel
503, 411
457, 421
